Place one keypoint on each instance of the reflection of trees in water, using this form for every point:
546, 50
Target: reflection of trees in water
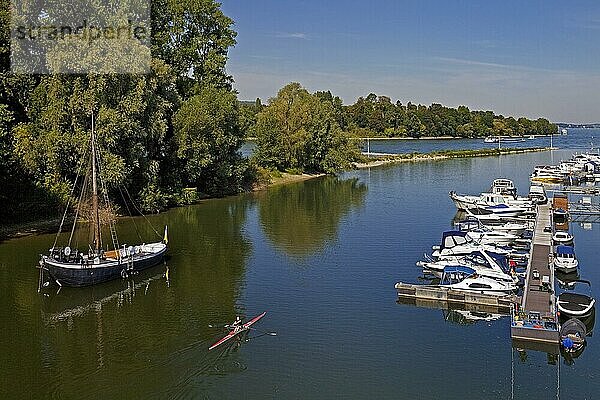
299, 219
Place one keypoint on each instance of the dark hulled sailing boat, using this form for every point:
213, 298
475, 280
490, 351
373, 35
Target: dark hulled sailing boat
70, 267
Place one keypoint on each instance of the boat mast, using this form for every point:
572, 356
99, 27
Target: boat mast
95, 213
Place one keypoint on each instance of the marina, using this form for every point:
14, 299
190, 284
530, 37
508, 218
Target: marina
541, 319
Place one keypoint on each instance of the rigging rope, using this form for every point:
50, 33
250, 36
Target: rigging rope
83, 189
69, 199
142, 214
130, 215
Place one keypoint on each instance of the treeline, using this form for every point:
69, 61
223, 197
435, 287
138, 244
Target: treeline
379, 116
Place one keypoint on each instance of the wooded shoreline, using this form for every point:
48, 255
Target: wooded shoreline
42, 226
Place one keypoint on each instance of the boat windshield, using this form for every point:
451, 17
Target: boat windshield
478, 259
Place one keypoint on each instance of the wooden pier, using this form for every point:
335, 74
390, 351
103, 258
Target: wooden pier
534, 322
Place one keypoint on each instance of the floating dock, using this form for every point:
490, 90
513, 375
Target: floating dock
439, 294
534, 322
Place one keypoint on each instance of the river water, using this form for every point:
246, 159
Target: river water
321, 257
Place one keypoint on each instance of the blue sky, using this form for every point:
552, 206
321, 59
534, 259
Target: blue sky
528, 57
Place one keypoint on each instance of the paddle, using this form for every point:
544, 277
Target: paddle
219, 325
265, 332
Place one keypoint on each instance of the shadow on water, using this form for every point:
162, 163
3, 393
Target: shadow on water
301, 219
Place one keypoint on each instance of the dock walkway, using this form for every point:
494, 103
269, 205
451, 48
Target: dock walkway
535, 320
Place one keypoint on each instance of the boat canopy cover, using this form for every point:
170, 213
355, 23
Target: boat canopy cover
498, 206
459, 268
565, 250
537, 189
453, 238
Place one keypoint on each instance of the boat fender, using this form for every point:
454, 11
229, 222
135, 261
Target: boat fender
123, 274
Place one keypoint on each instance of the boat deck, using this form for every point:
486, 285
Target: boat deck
535, 320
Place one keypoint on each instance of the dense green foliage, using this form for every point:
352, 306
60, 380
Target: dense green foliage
299, 131
208, 134
165, 135
377, 115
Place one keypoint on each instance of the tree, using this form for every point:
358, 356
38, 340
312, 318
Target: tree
298, 130
208, 135
51, 115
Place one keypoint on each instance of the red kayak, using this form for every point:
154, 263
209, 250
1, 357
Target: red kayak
245, 327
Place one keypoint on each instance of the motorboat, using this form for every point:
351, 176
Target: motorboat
459, 243
565, 260
567, 281
504, 187
489, 264
491, 139
562, 238
498, 213
547, 174
575, 304
512, 228
502, 191
572, 336
537, 194
486, 235
560, 216
464, 278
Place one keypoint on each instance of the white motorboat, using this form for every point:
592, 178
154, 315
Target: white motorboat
562, 238
488, 236
565, 260
497, 214
537, 194
513, 228
466, 279
502, 191
458, 244
547, 174
487, 264
505, 187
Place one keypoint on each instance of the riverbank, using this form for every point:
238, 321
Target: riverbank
444, 155
283, 178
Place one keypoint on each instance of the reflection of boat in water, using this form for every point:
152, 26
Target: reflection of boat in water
462, 314
467, 317
66, 306
71, 267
